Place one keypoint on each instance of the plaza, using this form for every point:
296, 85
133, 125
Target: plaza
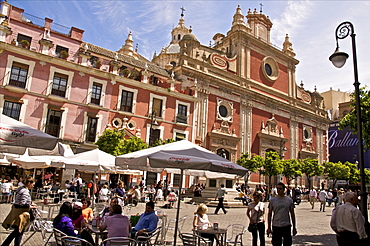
313, 226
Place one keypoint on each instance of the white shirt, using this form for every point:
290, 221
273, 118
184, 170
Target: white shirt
202, 222
348, 218
313, 193
323, 195
221, 193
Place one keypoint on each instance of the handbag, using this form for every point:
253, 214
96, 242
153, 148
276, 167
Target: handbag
253, 227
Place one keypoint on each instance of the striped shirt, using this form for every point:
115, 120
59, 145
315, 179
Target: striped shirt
22, 197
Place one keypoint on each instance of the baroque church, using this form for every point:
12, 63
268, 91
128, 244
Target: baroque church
237, 95
249, 101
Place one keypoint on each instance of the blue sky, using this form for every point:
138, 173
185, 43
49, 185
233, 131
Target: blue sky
310, 25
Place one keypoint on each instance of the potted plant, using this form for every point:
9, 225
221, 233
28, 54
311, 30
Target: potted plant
64, 54
25, 44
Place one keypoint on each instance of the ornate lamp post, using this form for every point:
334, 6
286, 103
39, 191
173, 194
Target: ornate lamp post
338, 58
153, 122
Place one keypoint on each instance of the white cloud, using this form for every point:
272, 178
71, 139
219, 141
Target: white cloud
291, 20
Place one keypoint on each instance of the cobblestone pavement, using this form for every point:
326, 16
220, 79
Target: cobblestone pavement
313, 226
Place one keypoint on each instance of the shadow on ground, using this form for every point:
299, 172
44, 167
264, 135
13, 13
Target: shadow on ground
324, 239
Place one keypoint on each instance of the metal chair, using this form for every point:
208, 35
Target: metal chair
119, 241
74, 241
57, 237
150, 239
38, 225
189, 239
235, 234
172, 223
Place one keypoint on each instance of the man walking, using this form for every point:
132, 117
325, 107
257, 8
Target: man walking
322, 197
283, 209
220, 195
348, 222
313, 195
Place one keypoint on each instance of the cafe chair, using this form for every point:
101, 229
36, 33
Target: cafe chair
150, 238
189, 239
38, 225
235, 234
74, 241
57, 237
172, 223
119, 241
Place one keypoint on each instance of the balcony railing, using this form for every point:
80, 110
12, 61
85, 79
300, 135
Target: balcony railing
181, 119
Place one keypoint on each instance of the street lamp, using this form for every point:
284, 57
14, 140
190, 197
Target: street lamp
338, 58
153, 122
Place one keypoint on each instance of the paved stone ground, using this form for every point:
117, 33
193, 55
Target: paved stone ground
312, 225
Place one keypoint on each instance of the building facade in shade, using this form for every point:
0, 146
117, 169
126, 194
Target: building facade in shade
238, 95
53, 81
249, 101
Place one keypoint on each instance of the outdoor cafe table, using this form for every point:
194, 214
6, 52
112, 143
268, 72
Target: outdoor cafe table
50, 207
220, 234
95, 230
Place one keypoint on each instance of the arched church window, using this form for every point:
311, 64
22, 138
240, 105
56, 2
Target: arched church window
179, 37
173, 63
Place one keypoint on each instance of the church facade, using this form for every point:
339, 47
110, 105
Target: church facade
249, 101
236, 96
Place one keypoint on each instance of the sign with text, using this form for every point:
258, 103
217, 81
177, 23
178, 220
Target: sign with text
343, 146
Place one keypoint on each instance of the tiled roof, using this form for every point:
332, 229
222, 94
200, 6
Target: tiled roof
128, 60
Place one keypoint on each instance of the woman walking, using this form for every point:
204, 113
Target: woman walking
256, 215
19, 216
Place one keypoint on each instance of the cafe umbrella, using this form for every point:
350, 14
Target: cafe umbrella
16, 136
181, 155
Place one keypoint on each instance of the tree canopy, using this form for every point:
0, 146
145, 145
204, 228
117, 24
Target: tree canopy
311, 167
350, 119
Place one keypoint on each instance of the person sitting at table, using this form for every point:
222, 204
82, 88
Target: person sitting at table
201, 222
103, 193
119, 191
147, 222
78, 220
117, 225
7, 189
108, 210
63, 221
87, 212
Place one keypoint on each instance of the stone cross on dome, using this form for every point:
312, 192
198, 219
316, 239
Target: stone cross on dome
182, 11
261, 6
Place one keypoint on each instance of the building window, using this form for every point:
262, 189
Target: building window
59, 49
92, 127
224, 110
182, 111
153, 80
229, 184
126, 101
176, 179
18, 75
212, 183
151, 178
157, 107
21, 37
180, 136
59, 85
53, 123
223, 153
155, 134
96, 93
12, 109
